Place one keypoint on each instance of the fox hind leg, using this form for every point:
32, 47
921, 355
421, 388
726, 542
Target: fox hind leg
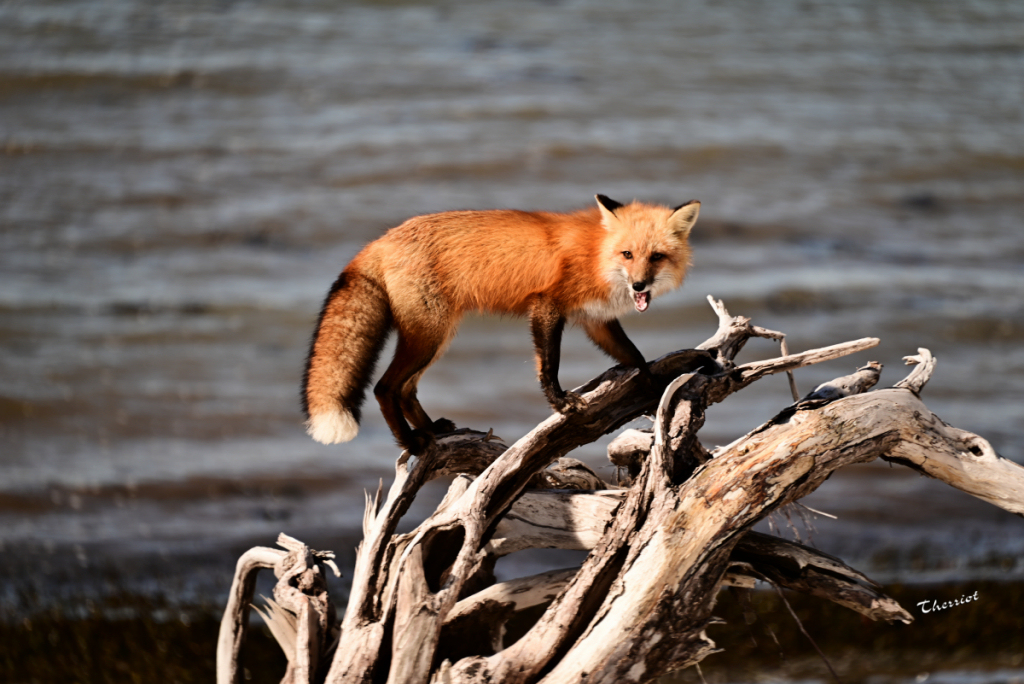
414, 412
396, 390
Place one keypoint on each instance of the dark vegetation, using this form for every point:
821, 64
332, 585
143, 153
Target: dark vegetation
164, 646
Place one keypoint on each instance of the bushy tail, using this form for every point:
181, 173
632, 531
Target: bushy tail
353, 326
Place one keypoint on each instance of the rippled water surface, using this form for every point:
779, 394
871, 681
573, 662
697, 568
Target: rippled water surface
181, 182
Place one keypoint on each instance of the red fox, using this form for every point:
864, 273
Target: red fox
588, 267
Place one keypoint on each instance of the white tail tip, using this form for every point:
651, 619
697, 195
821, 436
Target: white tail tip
333, 427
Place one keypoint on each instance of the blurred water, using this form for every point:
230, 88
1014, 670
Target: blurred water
180, 183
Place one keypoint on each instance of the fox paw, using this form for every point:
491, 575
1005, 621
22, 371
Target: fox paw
569, 402
442, 426
419, 442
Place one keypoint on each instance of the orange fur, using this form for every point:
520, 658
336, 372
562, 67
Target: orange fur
590, 267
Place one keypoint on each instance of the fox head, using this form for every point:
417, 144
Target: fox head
647, 249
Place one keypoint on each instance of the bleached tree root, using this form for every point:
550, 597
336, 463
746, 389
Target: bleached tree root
300, 616
424, 607
236, 615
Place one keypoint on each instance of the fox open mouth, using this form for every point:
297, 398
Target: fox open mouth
642, 300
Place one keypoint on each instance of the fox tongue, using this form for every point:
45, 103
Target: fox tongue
641, 299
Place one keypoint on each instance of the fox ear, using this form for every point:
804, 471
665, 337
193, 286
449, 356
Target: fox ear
683, 217
608, 207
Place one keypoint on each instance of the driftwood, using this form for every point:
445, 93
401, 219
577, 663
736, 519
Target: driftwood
424, 606
301, 615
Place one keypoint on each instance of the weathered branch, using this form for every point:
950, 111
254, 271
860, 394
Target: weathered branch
917, 379
572, 521
302, 619
800, 568
629, 449
236, 614
479, 623
864, 379
555, 520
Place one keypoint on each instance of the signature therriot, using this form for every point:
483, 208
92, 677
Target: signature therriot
936, 606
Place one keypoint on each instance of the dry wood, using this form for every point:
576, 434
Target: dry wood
916, 381
756, 557
555, 520
629, 449
236, 614
302, 619
794, 566
424, 607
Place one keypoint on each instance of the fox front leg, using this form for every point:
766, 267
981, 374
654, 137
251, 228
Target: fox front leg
546, 325
612, 340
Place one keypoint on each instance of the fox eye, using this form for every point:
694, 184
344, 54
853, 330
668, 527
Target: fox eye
627, 254
657, 256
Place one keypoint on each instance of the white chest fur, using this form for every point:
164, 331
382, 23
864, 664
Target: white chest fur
619, 303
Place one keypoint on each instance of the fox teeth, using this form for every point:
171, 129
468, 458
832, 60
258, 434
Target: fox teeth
642, 300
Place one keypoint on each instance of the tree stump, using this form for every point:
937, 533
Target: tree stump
424, 606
